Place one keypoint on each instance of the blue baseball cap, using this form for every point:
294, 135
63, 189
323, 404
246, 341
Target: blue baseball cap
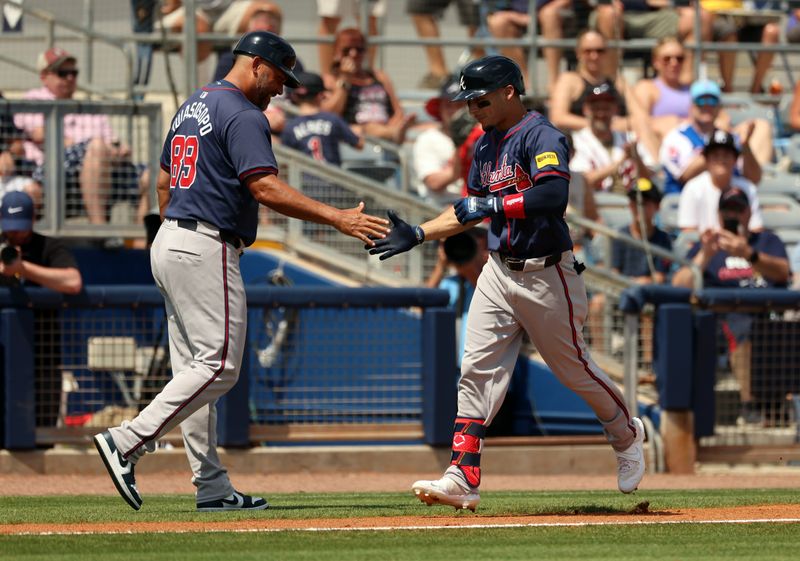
703, 88
16, 212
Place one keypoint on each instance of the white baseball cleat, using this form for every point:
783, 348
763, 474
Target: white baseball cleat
447, 491
630, 462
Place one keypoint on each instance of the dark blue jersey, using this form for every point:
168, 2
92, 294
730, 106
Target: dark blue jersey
632, 261
511, 162
726, 271
319, 136
216, 140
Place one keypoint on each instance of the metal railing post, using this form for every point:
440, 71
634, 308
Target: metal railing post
54, 187
631, 363
190, 46
88, 41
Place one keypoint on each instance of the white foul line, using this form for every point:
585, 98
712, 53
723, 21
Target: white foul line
397, 528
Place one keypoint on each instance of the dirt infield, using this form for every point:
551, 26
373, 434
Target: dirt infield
642, 515
168, 483
179, 482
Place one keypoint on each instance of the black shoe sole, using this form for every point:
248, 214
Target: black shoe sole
113, 476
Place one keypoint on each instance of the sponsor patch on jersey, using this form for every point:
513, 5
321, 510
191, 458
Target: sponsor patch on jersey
546, 159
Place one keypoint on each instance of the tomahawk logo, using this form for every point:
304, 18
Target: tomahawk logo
505, 176
14, 209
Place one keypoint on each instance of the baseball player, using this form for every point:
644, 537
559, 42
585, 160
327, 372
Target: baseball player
519, 180
217, 166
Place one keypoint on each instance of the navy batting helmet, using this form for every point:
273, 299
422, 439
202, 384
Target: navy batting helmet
271, 48
487, 74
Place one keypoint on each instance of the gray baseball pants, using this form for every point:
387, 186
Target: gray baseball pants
550, 304
199, 276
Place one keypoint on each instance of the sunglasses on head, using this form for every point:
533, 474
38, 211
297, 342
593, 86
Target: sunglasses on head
66, 73
706, 101
676, 58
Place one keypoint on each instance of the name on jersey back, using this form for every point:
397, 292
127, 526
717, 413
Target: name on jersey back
198, 111
320, 127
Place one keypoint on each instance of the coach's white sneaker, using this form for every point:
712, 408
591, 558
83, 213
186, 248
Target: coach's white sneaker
630, 462
447, 491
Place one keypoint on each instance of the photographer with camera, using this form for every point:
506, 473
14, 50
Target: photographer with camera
735, 257
31, 259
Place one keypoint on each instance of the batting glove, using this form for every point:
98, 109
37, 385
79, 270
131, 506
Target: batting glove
402, 237
470, 209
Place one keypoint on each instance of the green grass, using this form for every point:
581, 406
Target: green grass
636, 542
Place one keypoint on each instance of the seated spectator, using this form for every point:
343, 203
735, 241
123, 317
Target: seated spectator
651, 19
729, 28
315, 132
437, 169
644, 199
424, 14
364, 97
571, 89
97, 166
332, 12
466, 253
793, 26
15, 170
30, 260
39, 260
699, 200
731, 255
608, 159
666, 97
217, 16
681, 153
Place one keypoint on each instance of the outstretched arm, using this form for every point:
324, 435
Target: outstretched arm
270, 191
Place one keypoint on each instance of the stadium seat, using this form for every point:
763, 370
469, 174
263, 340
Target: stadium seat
775, 219
780, 183
606, 199
615, 217
668, 212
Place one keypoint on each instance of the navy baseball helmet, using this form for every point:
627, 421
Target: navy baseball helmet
487, 74
271, 48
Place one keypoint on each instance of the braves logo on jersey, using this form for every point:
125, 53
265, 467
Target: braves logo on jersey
505, 176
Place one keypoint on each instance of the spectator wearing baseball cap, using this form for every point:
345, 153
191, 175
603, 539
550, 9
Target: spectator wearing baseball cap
437, 170
38, 260
681, 153
733, 256
315, 132
608, 159
699, 200
96, 165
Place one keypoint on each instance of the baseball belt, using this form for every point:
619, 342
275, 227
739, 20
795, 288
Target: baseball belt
225, 235
516, 264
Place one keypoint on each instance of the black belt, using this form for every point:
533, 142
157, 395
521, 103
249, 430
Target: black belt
515, 264
225, 235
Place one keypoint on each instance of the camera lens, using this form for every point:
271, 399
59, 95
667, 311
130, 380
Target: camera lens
8, 254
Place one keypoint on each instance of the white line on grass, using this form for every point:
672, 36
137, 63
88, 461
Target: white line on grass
396, 528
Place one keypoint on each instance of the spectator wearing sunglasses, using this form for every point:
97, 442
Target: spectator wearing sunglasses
681, 153
572, 88
364, 97
666, 97
96, 165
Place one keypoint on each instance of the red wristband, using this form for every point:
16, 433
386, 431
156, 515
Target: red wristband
514, 206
